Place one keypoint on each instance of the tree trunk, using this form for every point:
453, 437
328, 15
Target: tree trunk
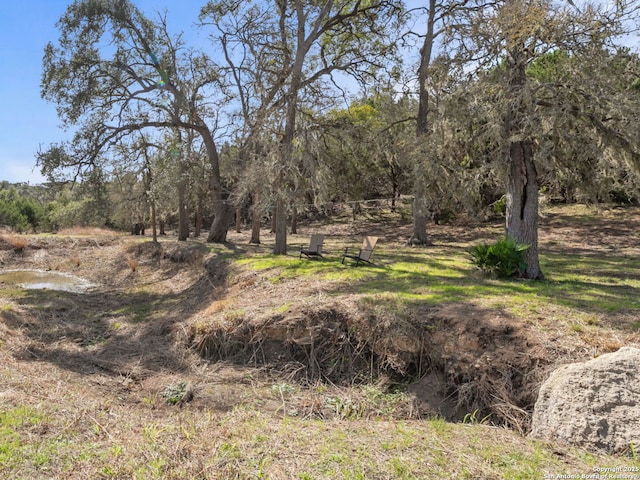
183, 214
280, 246
522, 188
199, 217
420, 211
303, 46
154, 225
256, 218
419, 235
294, 221
255, 226
220, 224
522, 204
238, 219
148, 179
422, 124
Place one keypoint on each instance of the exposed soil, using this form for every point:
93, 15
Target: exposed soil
175, 315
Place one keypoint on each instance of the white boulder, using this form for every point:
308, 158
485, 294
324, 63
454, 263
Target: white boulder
593, 405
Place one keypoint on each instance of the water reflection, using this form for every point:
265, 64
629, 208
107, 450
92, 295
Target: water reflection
40, 279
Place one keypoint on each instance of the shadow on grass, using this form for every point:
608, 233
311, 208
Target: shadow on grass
590, 284
587, 281
109, 331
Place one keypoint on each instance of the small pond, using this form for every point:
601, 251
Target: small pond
40, 279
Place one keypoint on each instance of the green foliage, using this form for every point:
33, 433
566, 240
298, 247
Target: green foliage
72, 213
18, 211
85, 204
473, 419
367, 149
550, 67
176, 393
505, 258
499, 207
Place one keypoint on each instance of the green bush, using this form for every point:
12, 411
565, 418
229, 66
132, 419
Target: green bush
499, 207
19, 212
505, 258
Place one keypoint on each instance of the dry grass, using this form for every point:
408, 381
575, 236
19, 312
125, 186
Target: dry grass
87, 232
18, 243
109, 441
85, 377
63, 431
132, 263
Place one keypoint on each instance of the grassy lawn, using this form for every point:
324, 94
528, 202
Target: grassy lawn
586, 284
39, 443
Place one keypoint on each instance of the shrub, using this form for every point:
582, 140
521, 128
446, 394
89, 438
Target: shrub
505, 258
19, 212
499, 207
18, 243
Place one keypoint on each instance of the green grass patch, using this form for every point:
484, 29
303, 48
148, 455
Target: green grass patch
286, 267
13, 292
445, 274
244, 443
136, 313
15, 449
20, 416
283, 308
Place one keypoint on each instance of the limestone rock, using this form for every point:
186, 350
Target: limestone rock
594, 405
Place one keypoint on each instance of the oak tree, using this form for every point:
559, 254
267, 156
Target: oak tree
114, 72
286, 54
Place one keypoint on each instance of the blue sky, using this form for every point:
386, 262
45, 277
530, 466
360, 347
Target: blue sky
27, 121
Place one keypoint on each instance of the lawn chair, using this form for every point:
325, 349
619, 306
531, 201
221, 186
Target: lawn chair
315, 247
368, 244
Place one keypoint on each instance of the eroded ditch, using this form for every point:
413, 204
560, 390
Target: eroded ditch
454, 360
